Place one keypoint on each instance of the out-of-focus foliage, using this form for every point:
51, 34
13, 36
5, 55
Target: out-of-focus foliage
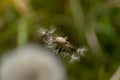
91, 23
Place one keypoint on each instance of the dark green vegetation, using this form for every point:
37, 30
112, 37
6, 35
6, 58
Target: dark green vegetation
91, 23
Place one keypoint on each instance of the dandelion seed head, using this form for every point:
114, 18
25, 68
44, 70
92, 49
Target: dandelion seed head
61, 45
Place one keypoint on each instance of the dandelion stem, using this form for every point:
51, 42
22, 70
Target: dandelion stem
22, 32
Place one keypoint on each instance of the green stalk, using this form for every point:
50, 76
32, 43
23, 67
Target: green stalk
22, 32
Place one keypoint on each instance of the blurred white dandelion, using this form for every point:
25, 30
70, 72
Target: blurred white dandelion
31, 63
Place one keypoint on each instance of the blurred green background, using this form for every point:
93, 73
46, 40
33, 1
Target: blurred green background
91, 23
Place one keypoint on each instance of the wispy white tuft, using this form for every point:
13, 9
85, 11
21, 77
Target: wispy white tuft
74, 58
81, 51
